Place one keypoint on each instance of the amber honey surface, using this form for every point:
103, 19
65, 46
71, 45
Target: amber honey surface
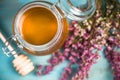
38, 26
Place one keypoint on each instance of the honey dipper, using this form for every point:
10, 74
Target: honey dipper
21, 63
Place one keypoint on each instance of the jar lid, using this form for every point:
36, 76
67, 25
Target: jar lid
78, 9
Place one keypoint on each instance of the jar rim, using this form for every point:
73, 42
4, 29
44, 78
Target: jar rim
23, 42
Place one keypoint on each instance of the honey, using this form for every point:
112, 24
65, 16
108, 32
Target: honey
38, 26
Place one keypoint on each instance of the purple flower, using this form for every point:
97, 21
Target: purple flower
38, 73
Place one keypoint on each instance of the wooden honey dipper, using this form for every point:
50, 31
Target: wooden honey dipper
21, 63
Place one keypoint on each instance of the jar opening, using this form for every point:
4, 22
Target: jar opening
31, 40
38, 26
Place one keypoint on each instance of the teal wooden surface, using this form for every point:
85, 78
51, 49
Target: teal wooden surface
8, 9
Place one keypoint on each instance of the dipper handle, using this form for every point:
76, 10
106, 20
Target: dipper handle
8, 49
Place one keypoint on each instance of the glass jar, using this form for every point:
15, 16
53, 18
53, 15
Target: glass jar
61, 10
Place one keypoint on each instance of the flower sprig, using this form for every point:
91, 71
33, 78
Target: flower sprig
84, 37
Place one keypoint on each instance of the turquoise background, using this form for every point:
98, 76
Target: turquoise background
8, 9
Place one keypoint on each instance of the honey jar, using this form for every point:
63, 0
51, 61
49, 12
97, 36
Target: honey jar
41, 27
